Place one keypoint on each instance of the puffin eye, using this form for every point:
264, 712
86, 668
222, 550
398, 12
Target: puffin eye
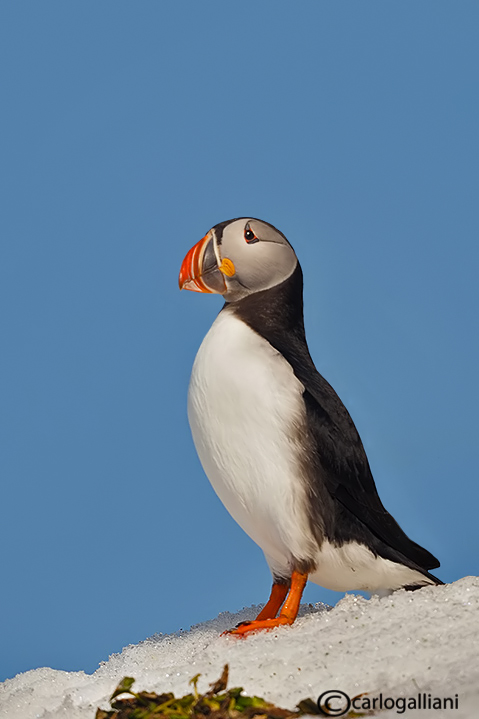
249, 236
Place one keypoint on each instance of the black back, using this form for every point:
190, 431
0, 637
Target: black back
345, 505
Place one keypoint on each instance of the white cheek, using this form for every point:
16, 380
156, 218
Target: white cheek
259, 266
272, 266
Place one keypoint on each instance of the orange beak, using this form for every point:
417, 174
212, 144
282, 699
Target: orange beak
199, 271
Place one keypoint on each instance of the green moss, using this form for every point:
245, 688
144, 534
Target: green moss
217, 703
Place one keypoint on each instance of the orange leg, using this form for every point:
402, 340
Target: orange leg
288, 613
276, 599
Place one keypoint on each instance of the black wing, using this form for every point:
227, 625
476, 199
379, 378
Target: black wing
345, 467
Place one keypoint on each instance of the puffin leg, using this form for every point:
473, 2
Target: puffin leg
287, 615
275, 601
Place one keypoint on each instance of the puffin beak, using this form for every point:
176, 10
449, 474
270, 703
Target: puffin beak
199, 271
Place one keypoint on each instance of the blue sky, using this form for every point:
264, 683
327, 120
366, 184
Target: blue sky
127, 131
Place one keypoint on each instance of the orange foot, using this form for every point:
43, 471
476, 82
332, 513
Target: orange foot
267, 618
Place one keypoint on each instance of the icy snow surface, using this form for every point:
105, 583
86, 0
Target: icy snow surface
408, 642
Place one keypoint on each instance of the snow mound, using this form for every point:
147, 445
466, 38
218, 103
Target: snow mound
425, 641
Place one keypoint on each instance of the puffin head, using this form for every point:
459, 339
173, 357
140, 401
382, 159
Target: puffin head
238, 258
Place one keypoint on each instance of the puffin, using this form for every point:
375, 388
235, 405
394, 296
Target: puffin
274, 439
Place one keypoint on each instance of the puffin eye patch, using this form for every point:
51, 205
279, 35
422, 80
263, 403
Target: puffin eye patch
249, 236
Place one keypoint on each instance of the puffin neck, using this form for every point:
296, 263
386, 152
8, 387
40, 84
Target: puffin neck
277, 315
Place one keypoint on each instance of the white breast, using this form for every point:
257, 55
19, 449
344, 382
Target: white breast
245, 409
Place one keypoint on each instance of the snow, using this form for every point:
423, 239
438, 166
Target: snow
409, 642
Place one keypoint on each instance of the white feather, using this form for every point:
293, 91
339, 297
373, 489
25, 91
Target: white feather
354, 566
242, 407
